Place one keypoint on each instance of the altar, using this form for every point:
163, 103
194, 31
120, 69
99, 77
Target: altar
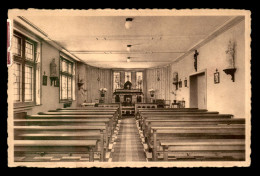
128, 96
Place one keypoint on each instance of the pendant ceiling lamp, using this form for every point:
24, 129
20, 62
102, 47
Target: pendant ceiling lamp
128, 23
128, 48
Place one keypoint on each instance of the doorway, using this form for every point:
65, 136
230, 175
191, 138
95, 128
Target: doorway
198, 91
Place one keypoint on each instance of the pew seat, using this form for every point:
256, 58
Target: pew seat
160, 135
62, 133
204, 149
53, 146
143, 119
78, 113
146, 128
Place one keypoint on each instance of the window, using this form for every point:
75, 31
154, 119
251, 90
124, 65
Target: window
67, 72
28, 95
116, 80
17, 46
127, 76
24, 68
17, 82
139, 80
29, 51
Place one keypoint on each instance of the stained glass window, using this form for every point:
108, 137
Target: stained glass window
139, 80
127, 76
116, 80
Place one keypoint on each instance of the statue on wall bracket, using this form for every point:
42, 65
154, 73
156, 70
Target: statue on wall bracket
53, 73
230, 60
230, 54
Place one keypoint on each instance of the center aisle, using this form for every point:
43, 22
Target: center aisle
128, 145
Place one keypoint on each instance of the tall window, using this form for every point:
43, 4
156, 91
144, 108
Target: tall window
24, 68
116, 80
139, 80
67, 73
127, 76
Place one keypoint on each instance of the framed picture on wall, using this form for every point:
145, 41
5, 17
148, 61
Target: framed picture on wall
57, 82
44, 80
216, 77
180, 84
185, 82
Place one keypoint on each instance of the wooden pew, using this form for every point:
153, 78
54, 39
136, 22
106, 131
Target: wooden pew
43, 146
91, 109
143, 119
144, 106
189, 123
73, 112
206, 149
112, 105
200, 139
77, 113
69, 116
167, 110
170, 113
143, 115
109, 126
56, 122
73, 122
63, 133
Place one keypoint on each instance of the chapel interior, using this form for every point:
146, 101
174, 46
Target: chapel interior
128, 88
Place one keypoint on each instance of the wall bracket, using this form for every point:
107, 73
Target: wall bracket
231, 71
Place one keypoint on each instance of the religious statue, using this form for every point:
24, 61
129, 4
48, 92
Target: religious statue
195, 59
117, 82
230, 53
139, 82
53, 71
128, 85
83, 93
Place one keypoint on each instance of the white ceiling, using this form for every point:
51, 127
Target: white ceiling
101, 40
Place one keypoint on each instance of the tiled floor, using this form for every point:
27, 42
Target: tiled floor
128, 146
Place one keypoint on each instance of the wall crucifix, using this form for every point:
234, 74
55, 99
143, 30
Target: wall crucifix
195, 59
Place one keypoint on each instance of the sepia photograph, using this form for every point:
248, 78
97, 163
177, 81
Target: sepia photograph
129, 88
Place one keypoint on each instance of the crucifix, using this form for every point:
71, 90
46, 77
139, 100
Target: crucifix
195, 59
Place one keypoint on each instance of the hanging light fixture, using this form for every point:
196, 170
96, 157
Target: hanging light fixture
98, 79
128, 48
128, 59
128, 23
158, 77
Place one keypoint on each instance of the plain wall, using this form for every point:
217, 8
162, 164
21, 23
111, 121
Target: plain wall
92, 84
161, 85
227, 96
